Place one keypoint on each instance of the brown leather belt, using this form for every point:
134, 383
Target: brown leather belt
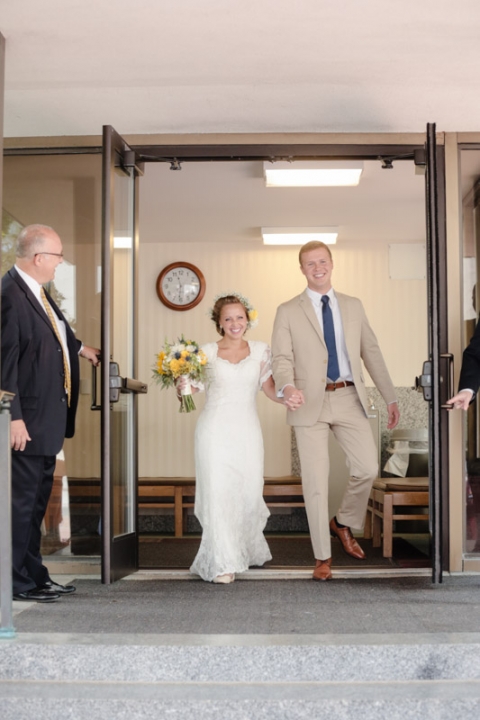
335, 386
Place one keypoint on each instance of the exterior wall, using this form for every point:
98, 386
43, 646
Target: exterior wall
226, 138
2, 81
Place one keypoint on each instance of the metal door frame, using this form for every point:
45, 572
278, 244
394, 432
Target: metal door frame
441, 361
119, 555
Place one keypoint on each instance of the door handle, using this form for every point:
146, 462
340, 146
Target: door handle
115, 382
94, 405
117, 385
450, 380
423, 383
135, 386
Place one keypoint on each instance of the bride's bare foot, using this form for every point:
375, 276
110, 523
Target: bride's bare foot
224, 579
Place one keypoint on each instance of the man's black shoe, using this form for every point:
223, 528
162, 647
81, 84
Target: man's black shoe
57, 588
37, 595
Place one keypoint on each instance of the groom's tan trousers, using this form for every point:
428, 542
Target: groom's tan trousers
344, 414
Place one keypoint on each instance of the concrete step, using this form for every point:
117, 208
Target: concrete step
241, 658
249, 677
427, 700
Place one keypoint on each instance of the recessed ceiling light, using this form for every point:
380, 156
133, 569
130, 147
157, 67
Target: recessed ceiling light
299, 235
122, 243
335, 173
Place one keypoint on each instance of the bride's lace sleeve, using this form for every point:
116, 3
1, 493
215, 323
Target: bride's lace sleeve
265, 365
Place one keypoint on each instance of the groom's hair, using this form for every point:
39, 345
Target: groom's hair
313, 245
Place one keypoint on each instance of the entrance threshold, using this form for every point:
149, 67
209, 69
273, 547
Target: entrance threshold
90, 566
294, 573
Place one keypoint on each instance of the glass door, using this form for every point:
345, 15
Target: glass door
119, 389
437, 378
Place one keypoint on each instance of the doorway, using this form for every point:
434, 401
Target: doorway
362, 269
222, 237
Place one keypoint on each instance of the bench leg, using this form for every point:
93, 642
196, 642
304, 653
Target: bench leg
178, 511
367, 530
377, 524
387, 526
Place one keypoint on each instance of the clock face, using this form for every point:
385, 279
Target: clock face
180, 286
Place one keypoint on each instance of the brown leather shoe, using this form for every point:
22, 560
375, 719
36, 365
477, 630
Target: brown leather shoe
350, 545
322, 570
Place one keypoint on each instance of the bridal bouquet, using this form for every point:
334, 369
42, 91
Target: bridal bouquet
184, 358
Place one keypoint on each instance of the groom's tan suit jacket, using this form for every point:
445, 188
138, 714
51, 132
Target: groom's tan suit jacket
300, 355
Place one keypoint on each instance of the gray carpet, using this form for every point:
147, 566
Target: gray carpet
396, 605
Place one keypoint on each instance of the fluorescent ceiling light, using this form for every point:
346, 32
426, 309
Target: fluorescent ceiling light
124, 243
299, 235
307, 173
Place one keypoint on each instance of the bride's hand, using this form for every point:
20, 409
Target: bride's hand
180, 383
294, 399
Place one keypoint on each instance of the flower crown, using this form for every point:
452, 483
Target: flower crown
252, 314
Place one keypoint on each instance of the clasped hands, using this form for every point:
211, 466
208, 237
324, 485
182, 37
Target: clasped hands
293, 398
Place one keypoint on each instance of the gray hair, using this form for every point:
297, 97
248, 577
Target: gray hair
31, 240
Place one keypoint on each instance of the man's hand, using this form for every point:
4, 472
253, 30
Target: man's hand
91, 354
461, 400
293, 397
18, 435
393, 415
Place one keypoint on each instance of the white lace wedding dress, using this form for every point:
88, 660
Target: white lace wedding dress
229, 465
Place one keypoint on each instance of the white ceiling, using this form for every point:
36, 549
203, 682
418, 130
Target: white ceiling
181, 66
227, 202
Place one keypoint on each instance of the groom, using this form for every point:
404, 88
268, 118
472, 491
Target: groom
319, 340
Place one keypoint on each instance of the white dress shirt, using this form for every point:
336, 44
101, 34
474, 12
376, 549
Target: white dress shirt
342, 354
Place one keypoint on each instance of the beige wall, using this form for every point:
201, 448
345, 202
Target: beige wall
268, 276
65, 192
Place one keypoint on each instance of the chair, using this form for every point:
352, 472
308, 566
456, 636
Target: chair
388, 498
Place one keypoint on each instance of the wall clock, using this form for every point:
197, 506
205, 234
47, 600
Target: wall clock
181, 286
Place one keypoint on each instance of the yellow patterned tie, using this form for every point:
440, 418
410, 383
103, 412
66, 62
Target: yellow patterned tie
66, 368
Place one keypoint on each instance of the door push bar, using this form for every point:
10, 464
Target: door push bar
423, 383
117, 385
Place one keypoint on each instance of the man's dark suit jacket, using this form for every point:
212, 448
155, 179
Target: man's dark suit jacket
32, 368
470, 372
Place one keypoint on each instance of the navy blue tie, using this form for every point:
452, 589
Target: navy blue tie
333, 371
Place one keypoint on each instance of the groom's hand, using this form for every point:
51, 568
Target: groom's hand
293, 397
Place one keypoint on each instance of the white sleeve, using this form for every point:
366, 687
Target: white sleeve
265, 365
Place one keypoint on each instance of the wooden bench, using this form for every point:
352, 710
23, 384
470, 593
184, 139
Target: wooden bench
387, 499
178, 494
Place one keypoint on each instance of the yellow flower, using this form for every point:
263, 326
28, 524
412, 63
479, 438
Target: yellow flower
175, 367
253, 315
160, 359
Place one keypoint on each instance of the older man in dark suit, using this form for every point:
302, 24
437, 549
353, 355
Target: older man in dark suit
40, 366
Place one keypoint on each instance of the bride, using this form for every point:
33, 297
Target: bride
229, 446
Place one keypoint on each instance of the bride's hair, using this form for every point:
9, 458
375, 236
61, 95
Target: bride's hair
219, 304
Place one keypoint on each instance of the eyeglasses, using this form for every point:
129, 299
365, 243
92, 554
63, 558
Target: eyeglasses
49, 253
